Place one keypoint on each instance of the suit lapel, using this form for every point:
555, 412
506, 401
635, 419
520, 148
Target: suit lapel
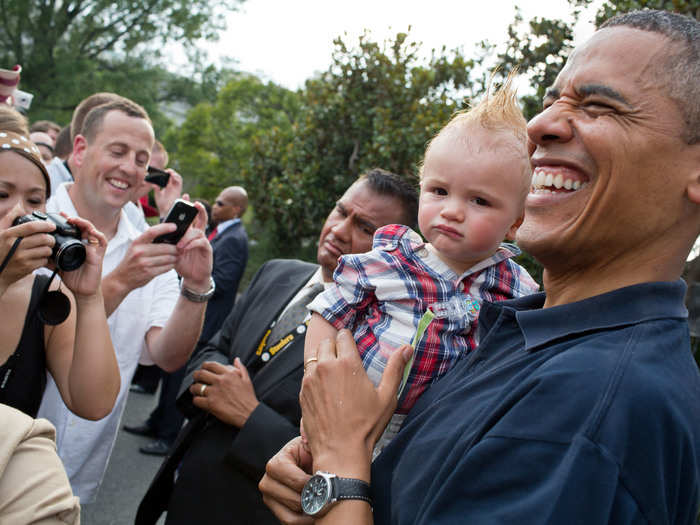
228, 231
282, 365
266, 307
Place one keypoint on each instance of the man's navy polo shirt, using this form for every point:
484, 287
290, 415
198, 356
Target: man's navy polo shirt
583, 413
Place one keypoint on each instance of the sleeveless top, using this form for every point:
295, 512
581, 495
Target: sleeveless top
23, 375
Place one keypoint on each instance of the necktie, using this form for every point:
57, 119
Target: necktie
213, 233
294, 316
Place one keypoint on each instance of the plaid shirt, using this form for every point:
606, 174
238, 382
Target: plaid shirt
381, 295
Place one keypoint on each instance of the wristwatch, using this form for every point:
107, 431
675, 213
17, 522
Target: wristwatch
323, 489
198, 297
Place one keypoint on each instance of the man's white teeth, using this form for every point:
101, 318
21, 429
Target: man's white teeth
541, 180
119, 184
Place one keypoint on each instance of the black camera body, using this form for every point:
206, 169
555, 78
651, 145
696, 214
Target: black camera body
68, 251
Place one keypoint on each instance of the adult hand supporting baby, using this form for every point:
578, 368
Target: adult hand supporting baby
344, 414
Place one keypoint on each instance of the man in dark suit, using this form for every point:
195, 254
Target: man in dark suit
241, 390
229, 243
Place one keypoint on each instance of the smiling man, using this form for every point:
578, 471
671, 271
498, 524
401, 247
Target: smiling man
582, 404
144, 303
243, 397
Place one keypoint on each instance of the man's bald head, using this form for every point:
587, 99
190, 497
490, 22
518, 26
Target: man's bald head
231, 203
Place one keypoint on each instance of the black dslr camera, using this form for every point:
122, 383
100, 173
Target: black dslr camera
68, 251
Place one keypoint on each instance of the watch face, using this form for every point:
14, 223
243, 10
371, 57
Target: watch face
315, 495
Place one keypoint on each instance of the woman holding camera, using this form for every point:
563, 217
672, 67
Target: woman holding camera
77, 351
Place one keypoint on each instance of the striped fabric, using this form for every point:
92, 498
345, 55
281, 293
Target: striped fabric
9, 78
381, 295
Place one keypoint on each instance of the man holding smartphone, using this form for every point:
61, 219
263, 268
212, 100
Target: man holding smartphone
229, 243
145, 305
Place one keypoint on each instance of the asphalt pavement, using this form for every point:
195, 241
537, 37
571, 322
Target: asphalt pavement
129, 472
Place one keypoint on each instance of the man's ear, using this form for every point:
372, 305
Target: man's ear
79, 147
694, 187
510, 234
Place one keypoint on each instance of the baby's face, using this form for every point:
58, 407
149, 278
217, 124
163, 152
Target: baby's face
471, 196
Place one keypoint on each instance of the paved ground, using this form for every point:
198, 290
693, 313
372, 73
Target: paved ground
129, 472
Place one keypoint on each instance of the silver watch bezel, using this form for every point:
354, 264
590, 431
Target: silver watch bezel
313, 503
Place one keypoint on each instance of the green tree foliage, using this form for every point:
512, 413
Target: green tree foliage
615, 7
376, 106
540, 47
537, 49
213, 147
71, 48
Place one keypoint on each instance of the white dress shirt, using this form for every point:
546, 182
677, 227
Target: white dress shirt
83, 445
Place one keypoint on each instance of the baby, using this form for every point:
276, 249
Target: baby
473, 183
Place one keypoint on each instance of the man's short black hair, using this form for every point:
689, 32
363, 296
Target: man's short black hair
384, 182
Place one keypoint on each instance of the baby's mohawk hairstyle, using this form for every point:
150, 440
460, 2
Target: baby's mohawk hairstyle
498, 111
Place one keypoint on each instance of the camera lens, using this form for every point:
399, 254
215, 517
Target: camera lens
69, 254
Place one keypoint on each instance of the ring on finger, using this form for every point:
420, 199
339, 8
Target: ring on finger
309, 361
202, 389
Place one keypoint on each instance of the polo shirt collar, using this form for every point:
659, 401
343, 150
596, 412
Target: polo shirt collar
625, 306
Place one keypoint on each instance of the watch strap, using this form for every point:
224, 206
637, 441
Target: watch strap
351, 488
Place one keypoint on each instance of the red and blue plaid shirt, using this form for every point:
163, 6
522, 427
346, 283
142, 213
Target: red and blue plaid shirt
382, 294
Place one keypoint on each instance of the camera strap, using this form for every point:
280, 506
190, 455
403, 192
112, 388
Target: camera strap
54, 306
9, 255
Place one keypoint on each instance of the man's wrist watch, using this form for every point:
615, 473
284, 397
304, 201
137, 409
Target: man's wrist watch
323, 489
198, 297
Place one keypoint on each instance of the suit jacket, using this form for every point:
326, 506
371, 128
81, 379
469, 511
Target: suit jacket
220, 465
230, 258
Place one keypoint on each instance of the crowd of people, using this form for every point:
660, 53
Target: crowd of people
436, 383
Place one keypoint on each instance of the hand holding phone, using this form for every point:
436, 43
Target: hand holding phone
157, 177
182, 213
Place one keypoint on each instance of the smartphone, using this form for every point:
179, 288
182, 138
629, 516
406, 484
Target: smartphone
182, 213
157, 177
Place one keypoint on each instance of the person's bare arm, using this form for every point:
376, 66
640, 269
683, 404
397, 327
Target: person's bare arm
319, 329
32, 252
230, 395
341, 435
80, 355
143, 261
165, 197
170, 347
281, 486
